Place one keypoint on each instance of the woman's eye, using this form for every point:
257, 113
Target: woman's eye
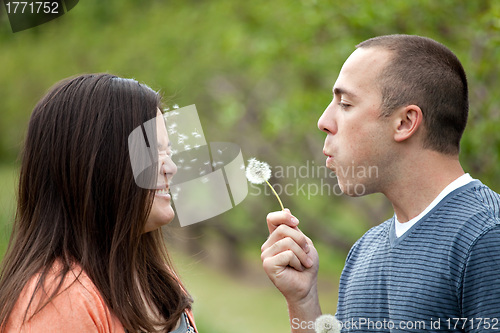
165, 153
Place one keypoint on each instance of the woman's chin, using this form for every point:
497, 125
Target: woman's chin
158, 217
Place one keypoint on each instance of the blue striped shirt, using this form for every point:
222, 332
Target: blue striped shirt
442, 275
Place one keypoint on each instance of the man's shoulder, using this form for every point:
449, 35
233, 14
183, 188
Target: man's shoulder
486, 198
464, 217
375, 234
473, 207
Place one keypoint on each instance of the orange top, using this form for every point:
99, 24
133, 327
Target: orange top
78, 307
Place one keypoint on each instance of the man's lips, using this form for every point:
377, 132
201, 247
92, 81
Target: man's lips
329, 159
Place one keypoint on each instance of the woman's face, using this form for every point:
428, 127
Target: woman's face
162, 212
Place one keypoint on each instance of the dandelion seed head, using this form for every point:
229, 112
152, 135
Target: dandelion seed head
327, 324
257, 172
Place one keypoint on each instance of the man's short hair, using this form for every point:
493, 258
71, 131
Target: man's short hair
425, 73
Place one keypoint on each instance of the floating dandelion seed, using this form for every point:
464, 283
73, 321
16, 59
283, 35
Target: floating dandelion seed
259, 172
181, 138
327, 324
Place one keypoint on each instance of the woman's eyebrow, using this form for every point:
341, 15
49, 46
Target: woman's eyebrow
161, 146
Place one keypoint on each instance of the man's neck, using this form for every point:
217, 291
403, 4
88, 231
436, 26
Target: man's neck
420, 181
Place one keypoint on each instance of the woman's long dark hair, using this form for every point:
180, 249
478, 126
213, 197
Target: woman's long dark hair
78, 204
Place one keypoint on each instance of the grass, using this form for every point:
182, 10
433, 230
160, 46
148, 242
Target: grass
225, 304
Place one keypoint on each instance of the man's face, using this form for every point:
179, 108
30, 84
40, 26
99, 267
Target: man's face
358, 144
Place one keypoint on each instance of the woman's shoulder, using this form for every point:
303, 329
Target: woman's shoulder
77, 306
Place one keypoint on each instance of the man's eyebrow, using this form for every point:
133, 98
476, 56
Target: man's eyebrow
342, 91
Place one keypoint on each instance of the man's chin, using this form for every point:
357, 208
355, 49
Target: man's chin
352, 189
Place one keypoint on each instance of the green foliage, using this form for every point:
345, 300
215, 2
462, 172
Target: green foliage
7, 204
260, 73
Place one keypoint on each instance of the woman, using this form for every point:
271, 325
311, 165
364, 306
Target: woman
86, 252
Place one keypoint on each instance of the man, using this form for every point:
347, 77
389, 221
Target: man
400, 103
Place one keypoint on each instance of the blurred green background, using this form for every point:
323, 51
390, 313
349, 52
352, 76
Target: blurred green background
260, 74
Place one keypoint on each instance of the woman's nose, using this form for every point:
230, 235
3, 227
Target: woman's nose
168, 167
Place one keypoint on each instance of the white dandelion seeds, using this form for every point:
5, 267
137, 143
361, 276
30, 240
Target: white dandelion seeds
327, 324
181, 138
259, 172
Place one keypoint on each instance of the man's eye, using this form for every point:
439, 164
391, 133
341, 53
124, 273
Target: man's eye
344, 106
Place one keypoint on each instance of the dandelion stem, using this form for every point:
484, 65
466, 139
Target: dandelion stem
276, 194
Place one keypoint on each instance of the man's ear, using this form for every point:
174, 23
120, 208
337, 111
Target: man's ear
407, 121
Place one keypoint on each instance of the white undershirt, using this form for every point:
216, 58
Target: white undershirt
401, 228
